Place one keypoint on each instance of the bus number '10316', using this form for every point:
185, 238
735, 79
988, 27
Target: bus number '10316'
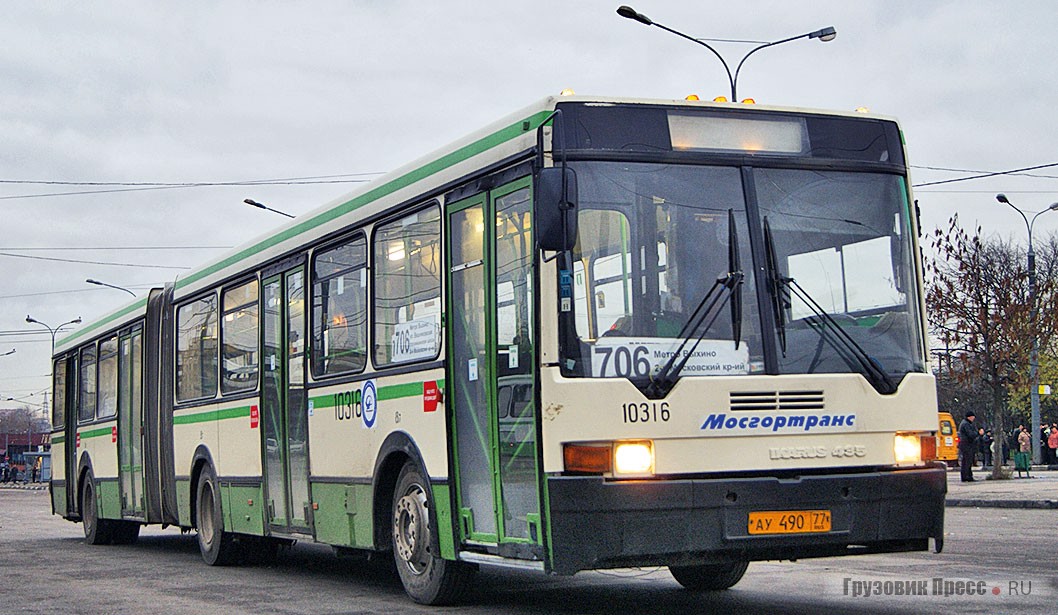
646, 412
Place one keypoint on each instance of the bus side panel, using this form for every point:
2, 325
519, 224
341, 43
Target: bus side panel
237, 460
192, 427
99, 442
340, 436
58, 473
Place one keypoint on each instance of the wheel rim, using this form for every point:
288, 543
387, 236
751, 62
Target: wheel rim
411, 530
206, 528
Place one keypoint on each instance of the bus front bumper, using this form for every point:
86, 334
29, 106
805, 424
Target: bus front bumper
597, 523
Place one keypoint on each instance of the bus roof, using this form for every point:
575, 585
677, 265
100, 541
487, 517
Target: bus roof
499, 140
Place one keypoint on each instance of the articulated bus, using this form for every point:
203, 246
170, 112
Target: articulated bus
598, 333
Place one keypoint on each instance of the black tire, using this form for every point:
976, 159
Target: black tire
124, 532
96, 530
217, 546
709, 577
427, 578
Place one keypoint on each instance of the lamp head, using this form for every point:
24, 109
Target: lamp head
29, 318
630, 13
1053, 207
254, 203
825, 35
1002, 198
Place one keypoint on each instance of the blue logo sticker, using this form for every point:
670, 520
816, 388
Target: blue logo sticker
369, 403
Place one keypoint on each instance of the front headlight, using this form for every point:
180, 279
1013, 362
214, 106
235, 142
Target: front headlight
907, 448
633, 458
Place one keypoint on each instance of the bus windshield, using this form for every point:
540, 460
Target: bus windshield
654, 238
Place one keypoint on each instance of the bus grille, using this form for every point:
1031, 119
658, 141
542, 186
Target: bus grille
777, 400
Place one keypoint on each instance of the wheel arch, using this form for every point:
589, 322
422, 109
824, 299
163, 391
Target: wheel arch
201, 459
397, 450
84, 469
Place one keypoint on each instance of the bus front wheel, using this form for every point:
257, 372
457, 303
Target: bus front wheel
427, 578
709, 577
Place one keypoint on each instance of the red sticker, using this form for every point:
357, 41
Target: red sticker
254, 417
78, 445
430, 396
114, 433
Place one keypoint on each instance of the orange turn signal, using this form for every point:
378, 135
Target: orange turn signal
587, 458
929, 447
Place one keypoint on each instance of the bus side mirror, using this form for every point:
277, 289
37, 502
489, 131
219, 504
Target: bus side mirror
555, 210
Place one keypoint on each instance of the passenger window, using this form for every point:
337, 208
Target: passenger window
87, 385
339, 309
108, 377
407, 260
196, 349
239, 339
58, 396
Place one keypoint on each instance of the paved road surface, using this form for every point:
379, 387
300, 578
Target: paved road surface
48, 569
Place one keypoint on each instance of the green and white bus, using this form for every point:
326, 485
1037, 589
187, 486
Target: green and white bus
598, 333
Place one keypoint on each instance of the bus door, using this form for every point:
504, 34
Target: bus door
130, 422
284, 402
70, 435
491, 369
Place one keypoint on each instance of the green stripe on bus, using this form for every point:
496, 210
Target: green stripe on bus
95, 433
393, 391
58, 439
460, 155
142, 303
212, 415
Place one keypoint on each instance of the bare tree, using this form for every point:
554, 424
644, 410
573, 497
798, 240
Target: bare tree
977, 295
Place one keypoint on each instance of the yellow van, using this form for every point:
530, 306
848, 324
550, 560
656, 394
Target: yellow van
947, 440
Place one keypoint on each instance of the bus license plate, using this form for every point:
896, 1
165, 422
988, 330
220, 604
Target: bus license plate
789, 521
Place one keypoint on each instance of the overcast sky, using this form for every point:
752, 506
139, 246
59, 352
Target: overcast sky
213, 92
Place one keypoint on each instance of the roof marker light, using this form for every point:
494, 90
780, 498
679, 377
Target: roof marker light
720, 99
567, 92
692, 97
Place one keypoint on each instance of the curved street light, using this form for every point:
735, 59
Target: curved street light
75, 321
12, 351
824, 35
1034, 356
98, 283
254, 203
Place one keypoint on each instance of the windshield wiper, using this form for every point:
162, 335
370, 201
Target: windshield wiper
822, 322
726, 287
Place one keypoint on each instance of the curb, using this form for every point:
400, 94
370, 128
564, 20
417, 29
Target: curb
980, 503
26, 487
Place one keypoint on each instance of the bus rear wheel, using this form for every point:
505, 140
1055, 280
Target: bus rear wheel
96, 530
427, 578
709, 577
217, 546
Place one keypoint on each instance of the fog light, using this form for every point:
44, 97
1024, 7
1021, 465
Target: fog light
633, 458
907, 448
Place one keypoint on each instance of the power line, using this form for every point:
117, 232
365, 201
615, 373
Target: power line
72, 260
929, 168
73, 290
987, 174
142, 186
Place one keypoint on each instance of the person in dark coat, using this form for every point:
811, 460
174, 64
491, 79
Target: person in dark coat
968, 435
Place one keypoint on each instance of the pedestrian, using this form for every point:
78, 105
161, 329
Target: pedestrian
1022, 459
968, 435
36, 469
1053, 444
987, 446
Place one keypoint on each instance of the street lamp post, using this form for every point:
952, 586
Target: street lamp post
98, 283
825, 35
75, 321
12, 351
1034, 356
254, 203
